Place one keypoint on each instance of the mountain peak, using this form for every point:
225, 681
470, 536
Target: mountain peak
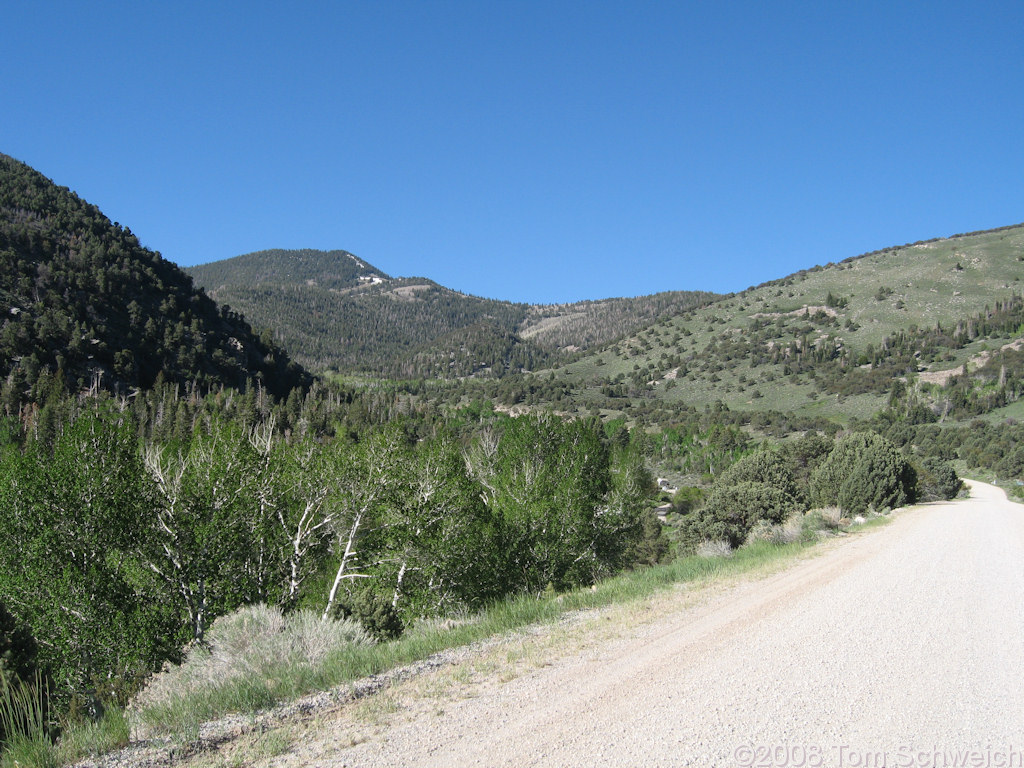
332, 270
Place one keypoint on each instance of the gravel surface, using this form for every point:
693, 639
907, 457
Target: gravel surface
901, 646
904, 646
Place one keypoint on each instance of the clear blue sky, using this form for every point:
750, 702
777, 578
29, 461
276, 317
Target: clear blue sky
531, 151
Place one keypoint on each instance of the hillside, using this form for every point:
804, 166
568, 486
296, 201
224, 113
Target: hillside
330, 270
333, 310
832, 340
85, 305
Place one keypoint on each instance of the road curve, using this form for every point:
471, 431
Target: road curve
902, 646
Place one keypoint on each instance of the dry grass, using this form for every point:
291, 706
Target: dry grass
714, 549
245, 652
788, 532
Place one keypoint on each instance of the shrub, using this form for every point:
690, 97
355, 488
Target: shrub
805, 454
766, 467
714, 549
251, 642
787, 532
377, 616
686, 499
731, 511
863, 471
937, 480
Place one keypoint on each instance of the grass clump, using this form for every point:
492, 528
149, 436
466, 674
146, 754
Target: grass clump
109, 732
251, 659
790, 531
24, 727
718, 548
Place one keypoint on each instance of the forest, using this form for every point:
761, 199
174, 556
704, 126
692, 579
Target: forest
336, 312
132, 524
130, 527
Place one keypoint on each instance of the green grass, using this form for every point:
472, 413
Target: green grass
82, 740
1013, 411
29, 745
23, 724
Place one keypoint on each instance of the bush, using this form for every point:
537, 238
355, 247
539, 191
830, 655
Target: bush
805, 454
731, 511
825, 521
377, 616
686, 499
937, 480
251, 642
766, 467
787, 532
864, 471
714, 549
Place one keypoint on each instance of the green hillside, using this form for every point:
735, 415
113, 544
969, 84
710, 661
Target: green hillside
828, 341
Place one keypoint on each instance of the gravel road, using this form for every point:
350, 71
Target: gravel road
900, 646
903, 646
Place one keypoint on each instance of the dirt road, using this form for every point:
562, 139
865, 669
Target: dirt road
903, 646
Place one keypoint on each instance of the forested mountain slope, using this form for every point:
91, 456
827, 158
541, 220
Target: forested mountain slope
331, 270
84, 304
333, 310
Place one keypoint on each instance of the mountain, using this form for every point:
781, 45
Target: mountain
333, 310
906, 325
329, 270
84, 304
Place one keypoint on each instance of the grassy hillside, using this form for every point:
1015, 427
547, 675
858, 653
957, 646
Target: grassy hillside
821, 341
586, 324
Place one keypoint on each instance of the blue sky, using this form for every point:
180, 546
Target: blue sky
530, 151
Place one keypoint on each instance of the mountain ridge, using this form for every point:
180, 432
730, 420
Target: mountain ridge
830, 340
360, 319
85, 305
